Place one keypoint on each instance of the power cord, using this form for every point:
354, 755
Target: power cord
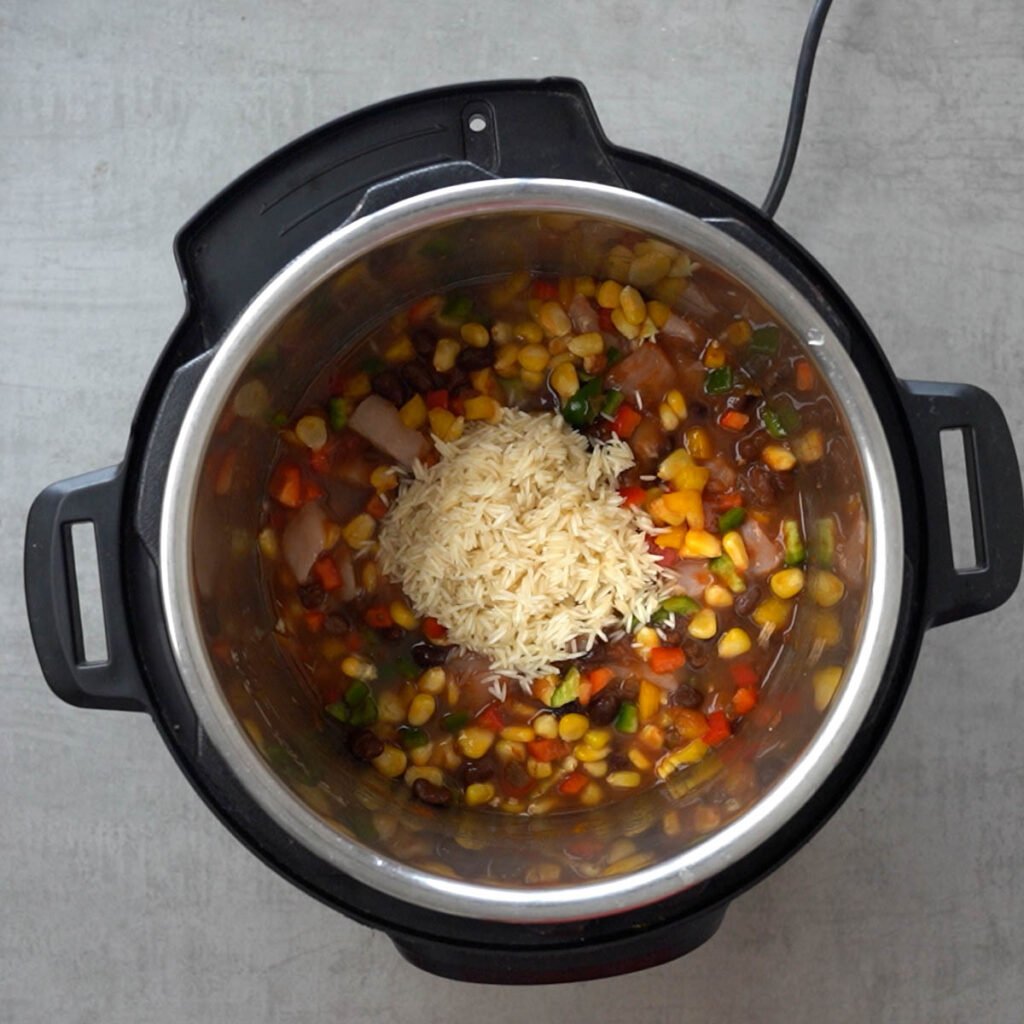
797, 107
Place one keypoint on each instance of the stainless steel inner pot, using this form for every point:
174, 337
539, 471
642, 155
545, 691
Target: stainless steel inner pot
251, 706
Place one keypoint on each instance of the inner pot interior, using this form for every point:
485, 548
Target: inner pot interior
265, 690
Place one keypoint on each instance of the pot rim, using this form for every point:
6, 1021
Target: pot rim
700, 861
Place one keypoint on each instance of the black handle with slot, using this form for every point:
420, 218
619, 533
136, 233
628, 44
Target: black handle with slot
994, 485
290, 200
51, 591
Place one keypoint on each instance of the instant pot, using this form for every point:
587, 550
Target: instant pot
305, 251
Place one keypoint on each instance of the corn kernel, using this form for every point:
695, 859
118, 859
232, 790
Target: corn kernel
433, 680
571, 727
532, 379
778, 458
421, 709
827, 629
357, 386
669, 420
826, 681
506, 360
673, 463
431, 774
518, 733
533, 357
507, 750
597, 738
359, 530
693, 752
671, 823
481, 407
565, 381
589, 344
400, 351
475, 335
403, 615
624, 780
414, 413
676, 402
484, 381
706, 818
370, 576
391, 762
529, 333
445, 354
585, 286
268, 542
478, 793
810, 446
312, 432
545, 725
658, 312
390, 707
384, 478
825, 588
475, 741
733, 546
787, 583
592, 794
647, 637
554, 319
714, 356
539, 769
590, 755
674, 538
441, 421
704, 625
639, 760
623, 326
733, 642
698, 443
358, 668
502, 333
634, 309
651, 737
739, 332
717, 596
701, 544
608, 294
596, 769
649, 268
772, 611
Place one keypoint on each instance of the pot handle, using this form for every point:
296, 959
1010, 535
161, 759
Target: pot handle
994, 485
51, 592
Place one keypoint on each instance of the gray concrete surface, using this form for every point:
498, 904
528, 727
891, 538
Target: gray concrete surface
122, 901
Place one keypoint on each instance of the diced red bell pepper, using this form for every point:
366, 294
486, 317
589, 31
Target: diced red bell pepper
457, 405
572, 784
546, 291
325, 569
314, 620
433, 630
547, 750
286, 485
666, 659
726, 500
376, 507
744, 700
734, 420
743, 675
604, 319
804, 375
490, 718
436, 399
320, 460
425, 308
379, 617
718, 729
667, 556
632, 496
626, 420
311, 490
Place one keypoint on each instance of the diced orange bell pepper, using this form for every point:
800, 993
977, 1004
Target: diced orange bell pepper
599, 678
627, 419
315, 621
718, 729
734, 420
572, 784
379, 617
666, 659
547, 750
744, 700
286, 485
325, 569
433, 630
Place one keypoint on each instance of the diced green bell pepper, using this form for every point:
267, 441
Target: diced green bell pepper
567, 690
793, 542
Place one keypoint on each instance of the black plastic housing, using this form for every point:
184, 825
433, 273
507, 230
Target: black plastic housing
232, 247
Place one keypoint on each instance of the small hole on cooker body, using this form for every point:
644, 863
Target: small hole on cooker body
477, 123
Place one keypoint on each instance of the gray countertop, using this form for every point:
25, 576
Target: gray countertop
122, 900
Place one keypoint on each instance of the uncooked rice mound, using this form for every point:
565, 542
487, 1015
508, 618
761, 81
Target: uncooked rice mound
517, 541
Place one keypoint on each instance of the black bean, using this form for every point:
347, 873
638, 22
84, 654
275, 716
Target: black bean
337, 623
751, 446
389, 385
617, 761
474, 771
436, 796
393, 633
698, 411
454, 379
757, 485
687, 696
365, 745
423, 342
475, 358
603, 708
746, 602
427, 655
629, 689
418, 376
696, 652
311, 595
